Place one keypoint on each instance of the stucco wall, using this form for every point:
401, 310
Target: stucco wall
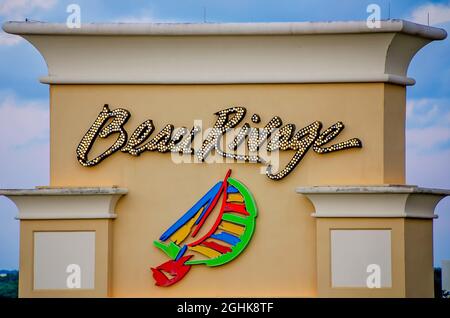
281, 258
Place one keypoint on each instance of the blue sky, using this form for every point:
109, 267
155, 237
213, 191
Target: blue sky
24, 117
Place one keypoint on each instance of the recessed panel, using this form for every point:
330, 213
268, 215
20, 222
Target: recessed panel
361, 255
64, 260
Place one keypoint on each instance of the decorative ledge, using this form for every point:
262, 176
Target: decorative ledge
384, 201
268, 28
65, 203
227, 53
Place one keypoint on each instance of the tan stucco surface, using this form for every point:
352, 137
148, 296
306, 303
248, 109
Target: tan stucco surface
102, 229
396, 225
281, 258
419, 258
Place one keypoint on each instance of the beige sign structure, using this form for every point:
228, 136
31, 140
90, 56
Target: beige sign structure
340, 224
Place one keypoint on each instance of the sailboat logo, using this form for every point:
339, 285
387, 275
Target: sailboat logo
225, 233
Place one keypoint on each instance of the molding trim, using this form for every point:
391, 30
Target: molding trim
227, 53
267, 28
65, 203
243, 79
373, 201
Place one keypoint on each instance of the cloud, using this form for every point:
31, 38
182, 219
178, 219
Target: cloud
18, 9
24, 127
24, 162
428, 141
439, 14
422, 112
144, 16
428, 125
428, 158
428, 169
22, 121
9, 39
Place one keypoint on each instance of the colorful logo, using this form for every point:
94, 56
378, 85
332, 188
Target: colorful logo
224, 238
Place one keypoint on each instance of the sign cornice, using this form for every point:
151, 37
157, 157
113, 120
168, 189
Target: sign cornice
227, 53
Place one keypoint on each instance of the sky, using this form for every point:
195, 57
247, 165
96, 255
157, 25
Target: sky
24, 102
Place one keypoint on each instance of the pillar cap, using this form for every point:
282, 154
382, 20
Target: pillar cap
376, 201
227, 53
56, 203
39, 191
252, 28
387, 188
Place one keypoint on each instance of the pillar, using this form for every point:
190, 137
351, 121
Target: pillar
65, 240
374, 241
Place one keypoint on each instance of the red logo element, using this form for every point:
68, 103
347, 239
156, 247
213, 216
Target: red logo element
176, 269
